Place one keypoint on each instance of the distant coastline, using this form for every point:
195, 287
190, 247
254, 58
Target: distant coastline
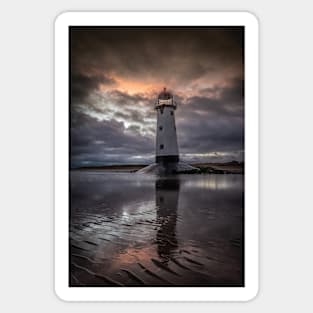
232, 167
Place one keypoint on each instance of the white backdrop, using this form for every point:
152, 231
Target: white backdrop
26, 158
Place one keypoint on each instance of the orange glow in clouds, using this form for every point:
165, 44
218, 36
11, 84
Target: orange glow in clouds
152, 87
137, 87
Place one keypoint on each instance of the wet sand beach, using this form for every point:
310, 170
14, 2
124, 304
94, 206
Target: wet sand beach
143, 230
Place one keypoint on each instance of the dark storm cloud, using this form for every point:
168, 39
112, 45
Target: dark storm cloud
94, 142
179, 54
82, 85
226, 101
117, 73
214, 124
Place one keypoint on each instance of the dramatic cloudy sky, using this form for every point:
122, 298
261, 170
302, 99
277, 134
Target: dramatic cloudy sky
117, 73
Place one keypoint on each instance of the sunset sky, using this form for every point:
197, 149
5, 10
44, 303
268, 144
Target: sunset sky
117, 73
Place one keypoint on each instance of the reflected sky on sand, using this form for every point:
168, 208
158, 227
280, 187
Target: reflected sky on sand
136, 230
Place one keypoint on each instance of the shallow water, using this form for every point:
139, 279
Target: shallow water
135, 230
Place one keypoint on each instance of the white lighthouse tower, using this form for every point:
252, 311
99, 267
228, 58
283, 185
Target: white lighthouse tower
166, 138
166, 154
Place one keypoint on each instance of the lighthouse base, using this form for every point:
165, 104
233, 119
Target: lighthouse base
166, 159
168, 168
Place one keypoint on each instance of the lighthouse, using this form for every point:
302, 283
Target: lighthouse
166, 151
166, 138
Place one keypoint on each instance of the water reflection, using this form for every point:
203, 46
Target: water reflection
166, 198
129, 229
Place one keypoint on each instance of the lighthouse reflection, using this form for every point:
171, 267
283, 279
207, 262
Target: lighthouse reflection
166, 197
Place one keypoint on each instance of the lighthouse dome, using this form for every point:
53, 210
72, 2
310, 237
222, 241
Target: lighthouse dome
165, 95
165, 98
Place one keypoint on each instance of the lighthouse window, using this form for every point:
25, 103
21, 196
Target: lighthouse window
172, 113
161, 147
161, 127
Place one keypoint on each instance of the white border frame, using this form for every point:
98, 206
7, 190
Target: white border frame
62, 22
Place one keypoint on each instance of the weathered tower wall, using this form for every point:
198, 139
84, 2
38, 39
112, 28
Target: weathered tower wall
166, 138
